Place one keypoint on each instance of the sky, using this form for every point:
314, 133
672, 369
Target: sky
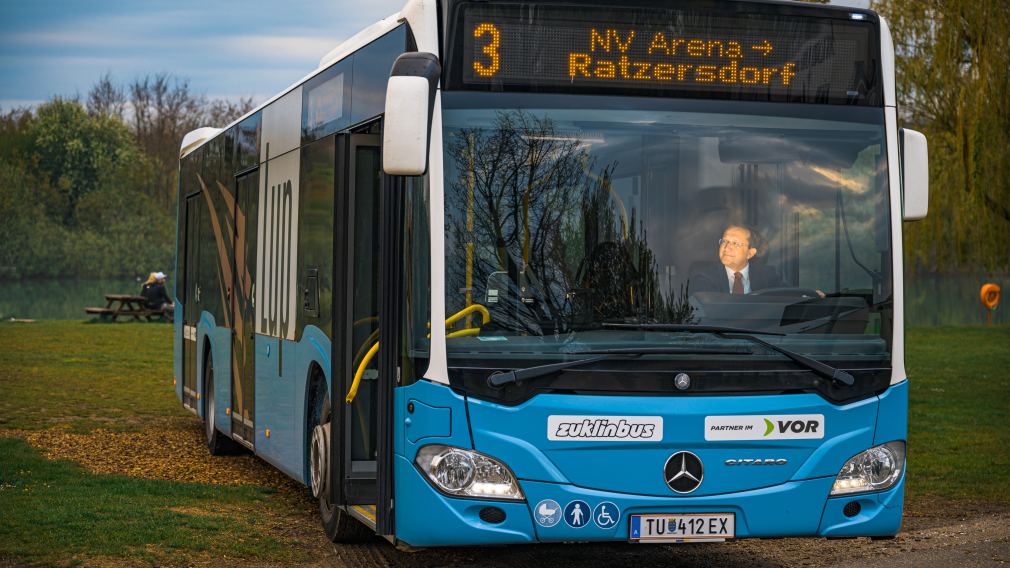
225, 48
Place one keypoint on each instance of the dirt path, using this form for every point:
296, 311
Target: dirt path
974, 536
935, 533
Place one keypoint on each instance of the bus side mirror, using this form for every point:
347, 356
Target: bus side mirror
914, 174
410, 102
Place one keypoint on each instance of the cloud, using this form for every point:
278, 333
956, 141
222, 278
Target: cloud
253, 46
55, 38
276, 47
294, 44
67, 61
101, 32
11, 104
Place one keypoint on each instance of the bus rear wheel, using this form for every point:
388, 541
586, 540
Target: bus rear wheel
217, 443
338, 525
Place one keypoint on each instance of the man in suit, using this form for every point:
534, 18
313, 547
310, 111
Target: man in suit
735, 274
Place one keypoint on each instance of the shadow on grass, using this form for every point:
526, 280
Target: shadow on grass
54, 510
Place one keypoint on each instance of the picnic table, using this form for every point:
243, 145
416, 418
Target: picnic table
125, 305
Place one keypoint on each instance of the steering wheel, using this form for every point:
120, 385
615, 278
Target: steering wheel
788, 292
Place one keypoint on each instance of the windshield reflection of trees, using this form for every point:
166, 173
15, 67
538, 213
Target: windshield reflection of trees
539, 236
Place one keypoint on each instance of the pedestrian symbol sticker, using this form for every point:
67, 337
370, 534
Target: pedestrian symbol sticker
606, 515
577, 514
547, 513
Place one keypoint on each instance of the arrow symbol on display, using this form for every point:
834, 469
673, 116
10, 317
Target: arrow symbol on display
765, 48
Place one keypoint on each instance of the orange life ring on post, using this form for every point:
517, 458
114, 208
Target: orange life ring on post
989, 295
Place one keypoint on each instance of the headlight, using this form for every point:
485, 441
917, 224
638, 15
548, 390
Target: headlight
875, 469
467, 473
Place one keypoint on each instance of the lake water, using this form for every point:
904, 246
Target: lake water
60, 299
931, 300
953, 300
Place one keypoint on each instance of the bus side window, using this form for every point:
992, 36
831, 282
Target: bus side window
371, 73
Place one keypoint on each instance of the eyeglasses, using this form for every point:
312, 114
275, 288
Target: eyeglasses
732, 244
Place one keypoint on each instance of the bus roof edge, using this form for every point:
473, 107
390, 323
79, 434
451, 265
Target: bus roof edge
356, 41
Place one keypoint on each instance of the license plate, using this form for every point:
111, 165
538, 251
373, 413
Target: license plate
695, 527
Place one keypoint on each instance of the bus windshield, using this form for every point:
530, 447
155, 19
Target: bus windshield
575, 221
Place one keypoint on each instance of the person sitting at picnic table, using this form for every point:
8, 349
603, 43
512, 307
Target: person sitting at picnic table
156, 297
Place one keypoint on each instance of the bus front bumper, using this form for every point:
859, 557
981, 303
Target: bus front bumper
426, 517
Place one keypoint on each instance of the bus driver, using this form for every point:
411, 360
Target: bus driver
735, 274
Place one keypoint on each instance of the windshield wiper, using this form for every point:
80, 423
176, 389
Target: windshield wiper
663, 351
499, 379
687, 327
814, 365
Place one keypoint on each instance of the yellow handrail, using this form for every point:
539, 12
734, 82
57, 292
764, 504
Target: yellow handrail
485, 316
361, 371
470, 331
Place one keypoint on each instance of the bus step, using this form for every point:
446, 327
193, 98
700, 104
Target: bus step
364, 513
238, 438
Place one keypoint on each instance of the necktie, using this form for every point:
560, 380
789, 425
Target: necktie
737, 283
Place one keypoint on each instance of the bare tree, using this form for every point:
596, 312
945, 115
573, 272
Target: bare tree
533, 212
221, 112
521, 179
164, 110
106, 98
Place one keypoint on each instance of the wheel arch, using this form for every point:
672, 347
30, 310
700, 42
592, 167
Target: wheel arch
207, 354
315, 379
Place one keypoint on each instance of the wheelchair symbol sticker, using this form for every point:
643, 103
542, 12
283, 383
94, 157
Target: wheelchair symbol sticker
606, 515
547, 513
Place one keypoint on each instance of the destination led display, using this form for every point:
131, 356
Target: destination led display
807, 59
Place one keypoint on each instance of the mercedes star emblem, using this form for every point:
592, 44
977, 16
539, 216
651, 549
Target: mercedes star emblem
682, 380
683, 472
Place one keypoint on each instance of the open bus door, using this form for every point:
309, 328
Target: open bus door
361, 450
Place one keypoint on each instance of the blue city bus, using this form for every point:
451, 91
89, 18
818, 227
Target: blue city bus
515, 272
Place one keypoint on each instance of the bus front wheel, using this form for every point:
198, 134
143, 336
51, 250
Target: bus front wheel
338, 525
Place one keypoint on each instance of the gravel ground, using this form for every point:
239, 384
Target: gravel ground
935, 533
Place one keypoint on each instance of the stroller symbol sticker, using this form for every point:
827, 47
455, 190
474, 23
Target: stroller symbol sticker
547, 513
606, 515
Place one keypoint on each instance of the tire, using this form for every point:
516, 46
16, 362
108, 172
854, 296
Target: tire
338, 524
217, 443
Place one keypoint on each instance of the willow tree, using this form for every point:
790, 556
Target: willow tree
953, 79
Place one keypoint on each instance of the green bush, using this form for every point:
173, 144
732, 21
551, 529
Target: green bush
77, 197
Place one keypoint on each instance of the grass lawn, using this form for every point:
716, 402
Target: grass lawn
959, 413
103, 381
83, 376
114, 381
55, 510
